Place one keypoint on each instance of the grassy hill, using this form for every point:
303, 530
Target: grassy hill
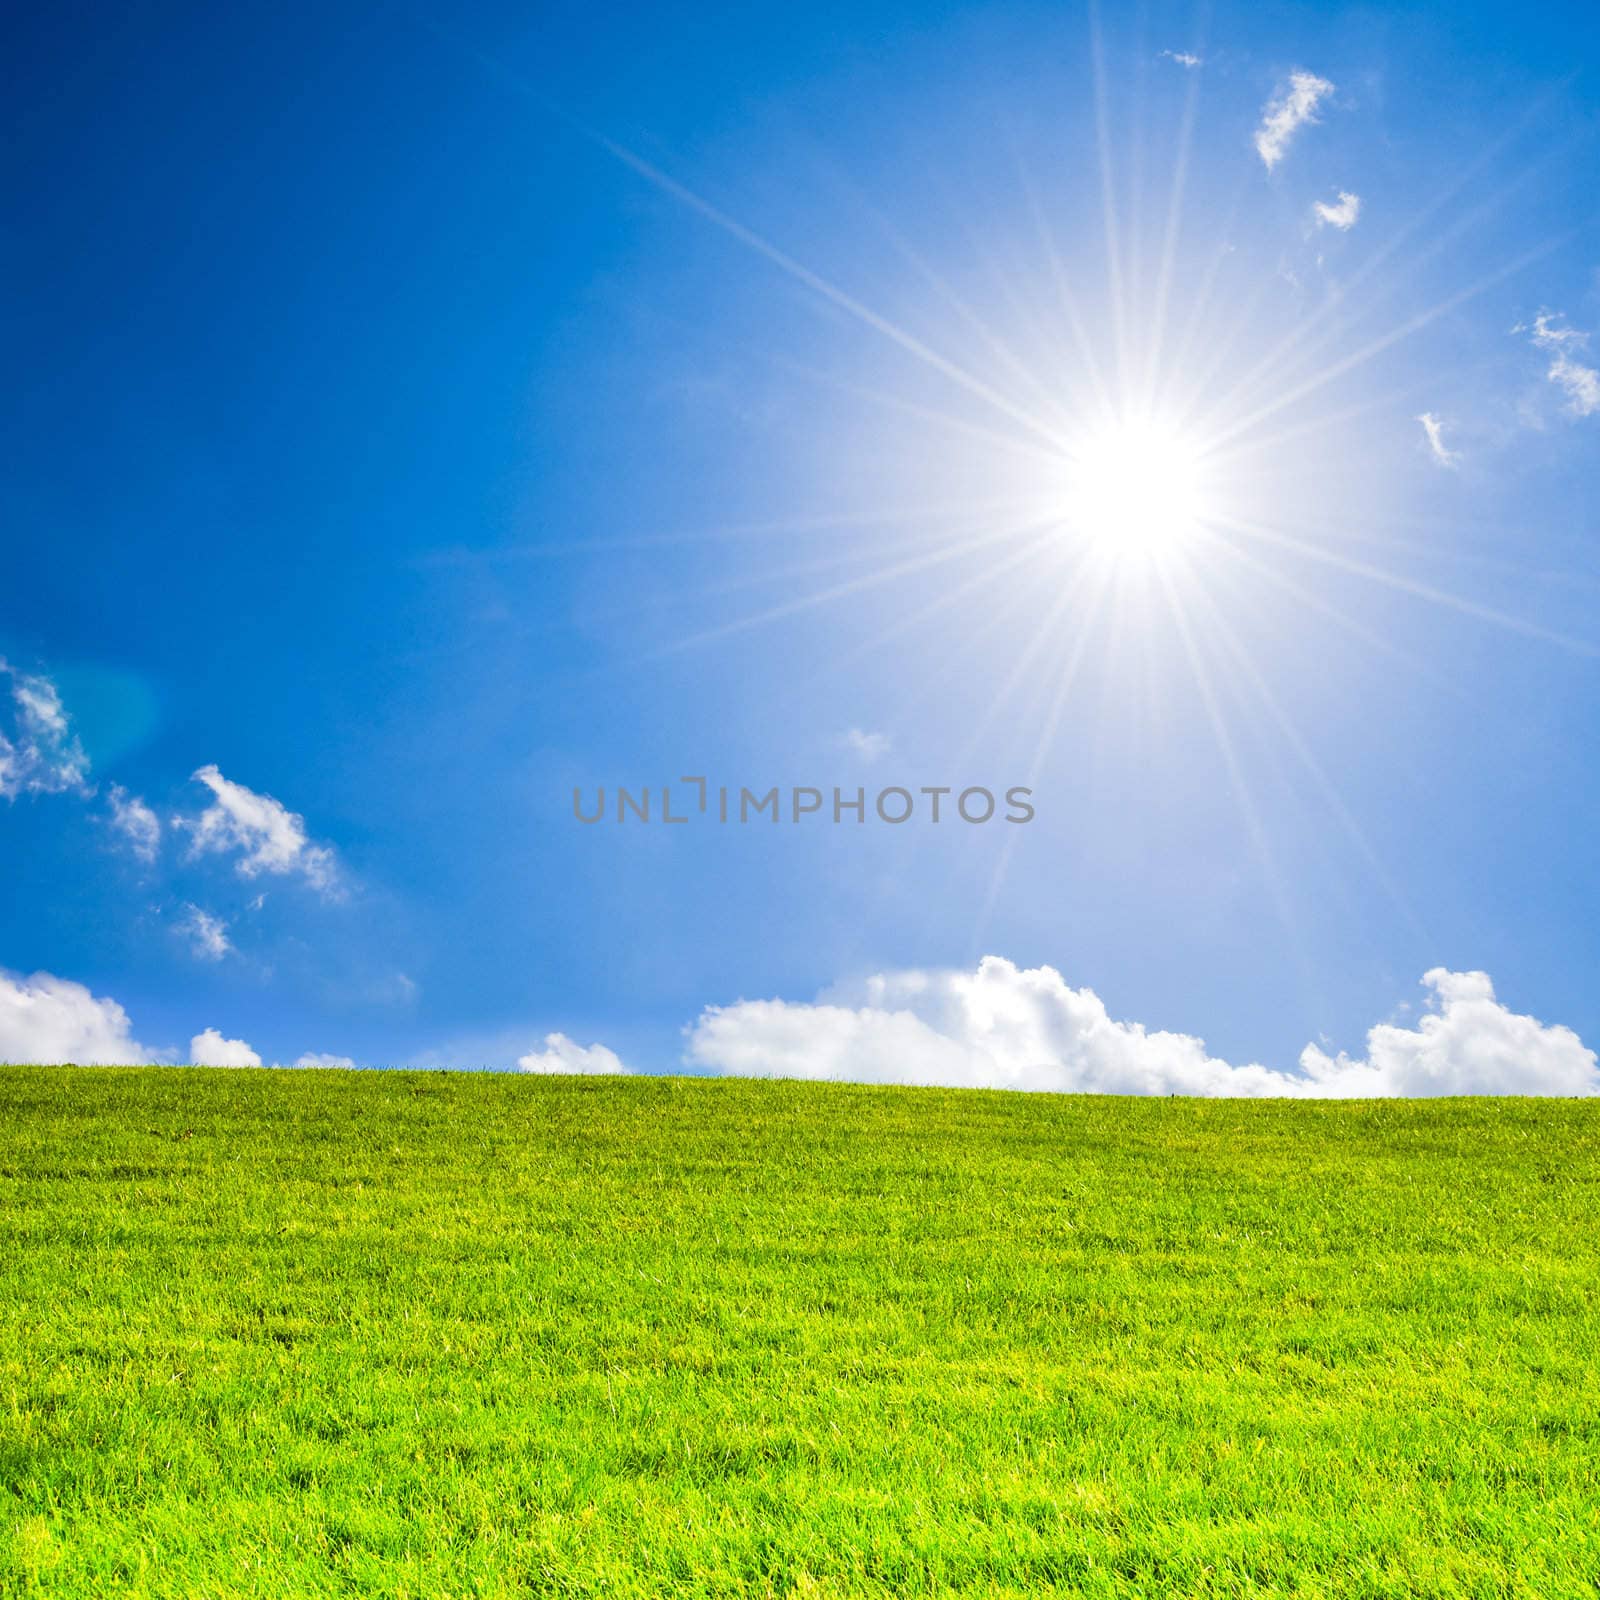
289, 1334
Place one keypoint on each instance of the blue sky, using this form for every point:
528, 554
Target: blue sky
420, 415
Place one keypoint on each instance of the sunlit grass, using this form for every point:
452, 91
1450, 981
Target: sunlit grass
284, 1334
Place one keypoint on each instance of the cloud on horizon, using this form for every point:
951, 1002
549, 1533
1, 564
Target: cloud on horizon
1287, 112
50, 1021
209, 1049
46, 1019
995, 1027
316, 1059
561, 1054
1004, 1027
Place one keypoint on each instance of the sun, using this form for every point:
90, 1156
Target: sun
1134, 490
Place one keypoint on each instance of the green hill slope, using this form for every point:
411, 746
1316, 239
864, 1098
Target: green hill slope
283, 1334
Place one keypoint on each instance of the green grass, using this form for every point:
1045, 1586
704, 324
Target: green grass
293, 1334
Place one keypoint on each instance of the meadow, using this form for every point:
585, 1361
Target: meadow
288, 1334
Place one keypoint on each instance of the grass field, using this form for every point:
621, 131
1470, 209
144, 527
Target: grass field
283, 1334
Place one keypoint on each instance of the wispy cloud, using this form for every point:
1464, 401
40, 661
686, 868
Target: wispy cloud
1549, 332
1580, 383
1287, 112
40, 754
263, 834
1434, 429
136, 822
1004, 1027
1184, 58
869, 746
1342, 214
561, 1054
207, 935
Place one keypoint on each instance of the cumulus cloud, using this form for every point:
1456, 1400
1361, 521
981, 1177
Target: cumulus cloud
262, 833
561, 1054
209, 1049
869, 746
136, 822
1434, 429
1342, 214
1580, 383
39, 754
1183, 57
1467, 1043
207, 935
1287, 112
52, 1020
1005, 1027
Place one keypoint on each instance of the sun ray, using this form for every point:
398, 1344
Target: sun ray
1092, 369
1376, 346
803, 603
1324, 784
1014, 444
1254, 825
1081, 577
1042, 746
1404, 585
1169, 249
959, 594
821, 286
1115, 286
993, 343
1299, 344
1312, 601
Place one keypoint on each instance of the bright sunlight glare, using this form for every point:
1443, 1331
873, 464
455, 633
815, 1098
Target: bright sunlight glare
1134, 490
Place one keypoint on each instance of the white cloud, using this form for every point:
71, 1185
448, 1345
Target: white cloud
1550, 333
869, 746
52, 1020
210, 1049
267, 836
136, 822
1287, 112
1343, 213
40, 754
207, 935
1183, 58
1466, 1043
1581, 384
1004, 1027
1434, 429
561, 1054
